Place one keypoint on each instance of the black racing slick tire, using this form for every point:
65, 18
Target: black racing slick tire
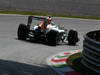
51, 37
72, 37
22, 32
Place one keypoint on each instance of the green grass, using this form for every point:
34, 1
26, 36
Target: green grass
23, 13
75, 63
47, 14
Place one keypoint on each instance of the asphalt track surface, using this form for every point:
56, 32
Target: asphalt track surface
28, 58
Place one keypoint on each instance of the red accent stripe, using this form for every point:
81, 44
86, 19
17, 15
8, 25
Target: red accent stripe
67, 53
58, 60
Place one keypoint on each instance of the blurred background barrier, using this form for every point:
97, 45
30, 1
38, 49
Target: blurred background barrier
65, 7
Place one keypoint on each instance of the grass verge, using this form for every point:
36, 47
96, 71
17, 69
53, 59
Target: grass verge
46, 14
75, 63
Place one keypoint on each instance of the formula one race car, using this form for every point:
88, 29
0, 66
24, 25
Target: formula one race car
41, 28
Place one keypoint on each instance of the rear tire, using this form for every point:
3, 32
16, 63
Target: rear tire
22, 32
51, 37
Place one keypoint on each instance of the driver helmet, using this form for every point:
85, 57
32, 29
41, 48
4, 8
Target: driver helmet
49, 19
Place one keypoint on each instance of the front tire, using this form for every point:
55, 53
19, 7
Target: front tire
72, 37
22, 32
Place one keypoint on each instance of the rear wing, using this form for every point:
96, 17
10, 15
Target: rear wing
30, 18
